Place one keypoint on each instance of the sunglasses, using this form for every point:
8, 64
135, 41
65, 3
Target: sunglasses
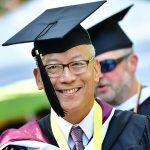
110, 64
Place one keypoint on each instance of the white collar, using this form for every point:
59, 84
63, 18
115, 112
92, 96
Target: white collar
131, 102
65, 126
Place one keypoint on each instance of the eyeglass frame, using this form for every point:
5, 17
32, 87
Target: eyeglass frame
117, 62
68, 66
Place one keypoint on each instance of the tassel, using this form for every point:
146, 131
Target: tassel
49, 90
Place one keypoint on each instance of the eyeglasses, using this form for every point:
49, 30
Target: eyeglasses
76, 67
110, 64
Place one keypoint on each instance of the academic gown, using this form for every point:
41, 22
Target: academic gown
126, 131
144, 102
133, 135
144, 108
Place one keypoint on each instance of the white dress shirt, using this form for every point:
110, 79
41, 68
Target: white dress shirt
131, 102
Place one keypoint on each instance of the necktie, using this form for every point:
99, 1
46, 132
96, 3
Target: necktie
76, 134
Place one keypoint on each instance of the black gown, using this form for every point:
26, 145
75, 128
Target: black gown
144, 108
128, 131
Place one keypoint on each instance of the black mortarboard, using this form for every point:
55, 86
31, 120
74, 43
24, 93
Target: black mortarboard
56, 26
108, 35
55, 30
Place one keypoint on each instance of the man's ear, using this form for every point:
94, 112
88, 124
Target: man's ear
38, 79
133, 62
97, 68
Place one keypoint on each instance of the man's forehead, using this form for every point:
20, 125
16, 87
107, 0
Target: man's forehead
77, 52
113, 54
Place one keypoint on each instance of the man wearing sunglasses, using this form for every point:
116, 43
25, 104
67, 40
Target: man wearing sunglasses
118, 85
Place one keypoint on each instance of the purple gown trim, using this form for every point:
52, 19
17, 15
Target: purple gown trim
106, 108
30, 131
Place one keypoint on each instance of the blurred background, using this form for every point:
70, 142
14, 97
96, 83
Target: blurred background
20, 100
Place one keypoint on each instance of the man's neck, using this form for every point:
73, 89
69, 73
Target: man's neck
75, 117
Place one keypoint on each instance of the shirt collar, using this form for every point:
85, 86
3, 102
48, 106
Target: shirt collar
131, 102
66, 126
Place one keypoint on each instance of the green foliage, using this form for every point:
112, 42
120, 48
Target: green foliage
20, 105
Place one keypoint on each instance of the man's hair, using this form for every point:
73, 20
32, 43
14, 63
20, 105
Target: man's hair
92, 50
127, 50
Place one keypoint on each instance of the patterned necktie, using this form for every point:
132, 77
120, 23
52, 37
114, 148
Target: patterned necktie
76, 134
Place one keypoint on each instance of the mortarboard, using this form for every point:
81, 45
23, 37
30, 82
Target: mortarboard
56, 26
108, 35
55, 30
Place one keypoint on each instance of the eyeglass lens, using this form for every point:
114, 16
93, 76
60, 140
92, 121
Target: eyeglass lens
110, 64
107, 65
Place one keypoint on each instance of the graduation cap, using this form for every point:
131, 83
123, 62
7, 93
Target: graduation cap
108, 35
56, 30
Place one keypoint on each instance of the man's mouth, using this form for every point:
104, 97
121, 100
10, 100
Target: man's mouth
101, 86
69, 91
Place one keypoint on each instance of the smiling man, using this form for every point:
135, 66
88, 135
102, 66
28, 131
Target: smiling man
118, 85
72, 76
68, 71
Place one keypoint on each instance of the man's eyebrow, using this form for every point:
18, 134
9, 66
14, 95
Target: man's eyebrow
57, 60
77, 56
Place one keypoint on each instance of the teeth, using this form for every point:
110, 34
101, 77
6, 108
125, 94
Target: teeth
70, 91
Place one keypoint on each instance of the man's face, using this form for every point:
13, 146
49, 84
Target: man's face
75, 92
114, 85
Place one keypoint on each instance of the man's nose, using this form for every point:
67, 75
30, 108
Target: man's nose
67, 76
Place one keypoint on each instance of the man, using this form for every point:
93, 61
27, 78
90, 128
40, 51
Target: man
118, 85
67, 70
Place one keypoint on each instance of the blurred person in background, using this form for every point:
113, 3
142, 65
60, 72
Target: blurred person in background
118, 85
